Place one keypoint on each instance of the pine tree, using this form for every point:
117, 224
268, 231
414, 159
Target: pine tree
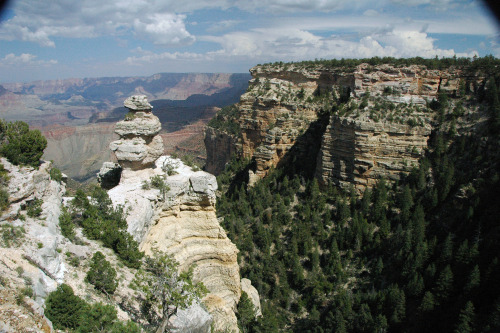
101, 274
466, 319
405, 202
428, 302
164, 289
64, 308
473, 280
246, 313
444, 284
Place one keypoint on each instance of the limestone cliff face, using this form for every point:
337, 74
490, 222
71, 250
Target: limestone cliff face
360, 152
365, 138
183, 224
220, 147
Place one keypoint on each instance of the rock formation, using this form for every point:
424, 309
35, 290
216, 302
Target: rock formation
109, 175
221, 146
183, 223
361, 152
362, 142
139, 145
29, 247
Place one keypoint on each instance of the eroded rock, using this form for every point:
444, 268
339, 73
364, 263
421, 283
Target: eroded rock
183, 223
139, 145
109, 175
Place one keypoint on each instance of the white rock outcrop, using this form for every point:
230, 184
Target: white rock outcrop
183, 223
36, 253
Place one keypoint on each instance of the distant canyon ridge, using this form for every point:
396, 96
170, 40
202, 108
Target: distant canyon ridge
77, 116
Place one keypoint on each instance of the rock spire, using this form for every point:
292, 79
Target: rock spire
139, 145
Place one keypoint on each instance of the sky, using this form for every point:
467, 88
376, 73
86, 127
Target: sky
58, 39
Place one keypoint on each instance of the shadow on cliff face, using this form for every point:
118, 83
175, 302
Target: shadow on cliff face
301, 158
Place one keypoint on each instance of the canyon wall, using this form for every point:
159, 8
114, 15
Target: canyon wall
374, 119
221, 146
360, 153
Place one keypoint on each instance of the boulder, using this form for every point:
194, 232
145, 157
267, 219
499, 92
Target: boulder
109, 175
137, 103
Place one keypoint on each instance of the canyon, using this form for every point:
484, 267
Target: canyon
77, 115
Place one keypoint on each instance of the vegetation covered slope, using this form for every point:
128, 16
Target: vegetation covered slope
420, 254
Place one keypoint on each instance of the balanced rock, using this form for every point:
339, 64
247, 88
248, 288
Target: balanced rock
137, 103
139, 145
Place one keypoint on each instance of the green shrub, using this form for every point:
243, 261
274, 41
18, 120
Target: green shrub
159, 183
129, 327
169, 169
224, 120
11, 235
97, 318
128, 250
101, 221
64, 308
69, 312
4, 176
34, 208
101, 274
21, 145
4, 199
73, 259
56, 174
66, 224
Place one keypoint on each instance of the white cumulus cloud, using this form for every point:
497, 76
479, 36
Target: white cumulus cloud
167, 29
296, 44
24, 59
41, 21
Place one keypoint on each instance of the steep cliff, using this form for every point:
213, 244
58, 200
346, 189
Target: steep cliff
374, 120
178, 217
29, 243
361, 152
183, 223
221, 146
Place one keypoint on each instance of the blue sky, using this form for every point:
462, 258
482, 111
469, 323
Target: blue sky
59, 39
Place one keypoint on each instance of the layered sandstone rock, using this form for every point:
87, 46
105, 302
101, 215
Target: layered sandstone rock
361, 152
360, 145
183, 223
139, 145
